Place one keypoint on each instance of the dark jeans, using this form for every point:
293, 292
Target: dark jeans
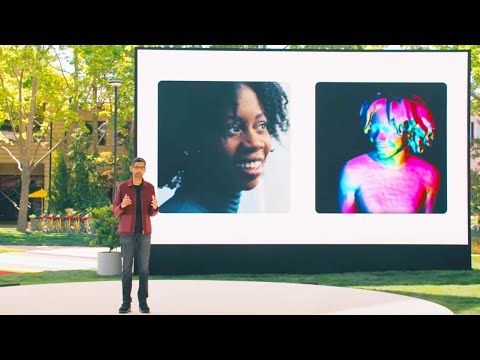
135, 246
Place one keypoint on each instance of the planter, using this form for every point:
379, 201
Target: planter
34, 224
109, 263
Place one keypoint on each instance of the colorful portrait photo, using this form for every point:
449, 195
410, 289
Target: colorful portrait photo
381, 148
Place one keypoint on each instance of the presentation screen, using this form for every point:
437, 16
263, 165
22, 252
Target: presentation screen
305, 147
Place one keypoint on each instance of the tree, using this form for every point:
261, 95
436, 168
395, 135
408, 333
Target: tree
80, 184
84, 185
126, 159
59, 199
94, 66
80, 191
33, 94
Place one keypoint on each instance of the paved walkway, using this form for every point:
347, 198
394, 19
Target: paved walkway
48, 258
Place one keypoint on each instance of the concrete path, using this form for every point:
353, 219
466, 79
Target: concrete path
48, 258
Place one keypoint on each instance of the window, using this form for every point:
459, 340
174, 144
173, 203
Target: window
102, 131
6, 130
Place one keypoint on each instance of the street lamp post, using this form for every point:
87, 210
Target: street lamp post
116, 84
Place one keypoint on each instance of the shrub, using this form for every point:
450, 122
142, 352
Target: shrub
106, 227
476, 245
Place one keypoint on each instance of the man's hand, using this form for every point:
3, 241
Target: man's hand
125, 202
154, 203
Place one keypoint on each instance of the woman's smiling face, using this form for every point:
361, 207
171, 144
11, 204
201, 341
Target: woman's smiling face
245, 141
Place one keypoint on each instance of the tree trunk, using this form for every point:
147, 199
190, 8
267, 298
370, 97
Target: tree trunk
23, 207
25, 156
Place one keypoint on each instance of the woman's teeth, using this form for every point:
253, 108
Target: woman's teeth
249, 165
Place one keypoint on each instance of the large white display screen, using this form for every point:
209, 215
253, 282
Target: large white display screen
294, 147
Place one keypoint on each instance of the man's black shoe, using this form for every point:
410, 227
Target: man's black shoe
144, 307
125, 308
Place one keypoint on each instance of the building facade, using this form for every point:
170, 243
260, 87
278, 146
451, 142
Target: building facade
10, 183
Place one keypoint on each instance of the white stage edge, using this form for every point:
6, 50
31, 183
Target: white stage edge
199, 297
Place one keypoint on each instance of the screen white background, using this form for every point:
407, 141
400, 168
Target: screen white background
301, 71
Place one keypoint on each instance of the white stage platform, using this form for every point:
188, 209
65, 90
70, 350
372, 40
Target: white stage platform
199, 297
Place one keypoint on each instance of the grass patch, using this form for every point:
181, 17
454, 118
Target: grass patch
37, 238
457, 290
50, 277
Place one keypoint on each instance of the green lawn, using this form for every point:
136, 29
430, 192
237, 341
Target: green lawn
36, 238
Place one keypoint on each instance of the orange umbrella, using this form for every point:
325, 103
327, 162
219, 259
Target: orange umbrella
39, 194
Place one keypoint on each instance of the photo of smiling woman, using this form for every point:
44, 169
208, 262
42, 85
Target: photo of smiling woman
222, 147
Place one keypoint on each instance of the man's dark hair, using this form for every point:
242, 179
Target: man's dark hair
138, 159
189, 110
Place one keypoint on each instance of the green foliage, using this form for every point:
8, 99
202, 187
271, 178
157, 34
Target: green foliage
59, 198
126, 160
80, 191
106, 227
83, 187
103, 175
475, 193
85, 191
475, 245
101, 179
95, 65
